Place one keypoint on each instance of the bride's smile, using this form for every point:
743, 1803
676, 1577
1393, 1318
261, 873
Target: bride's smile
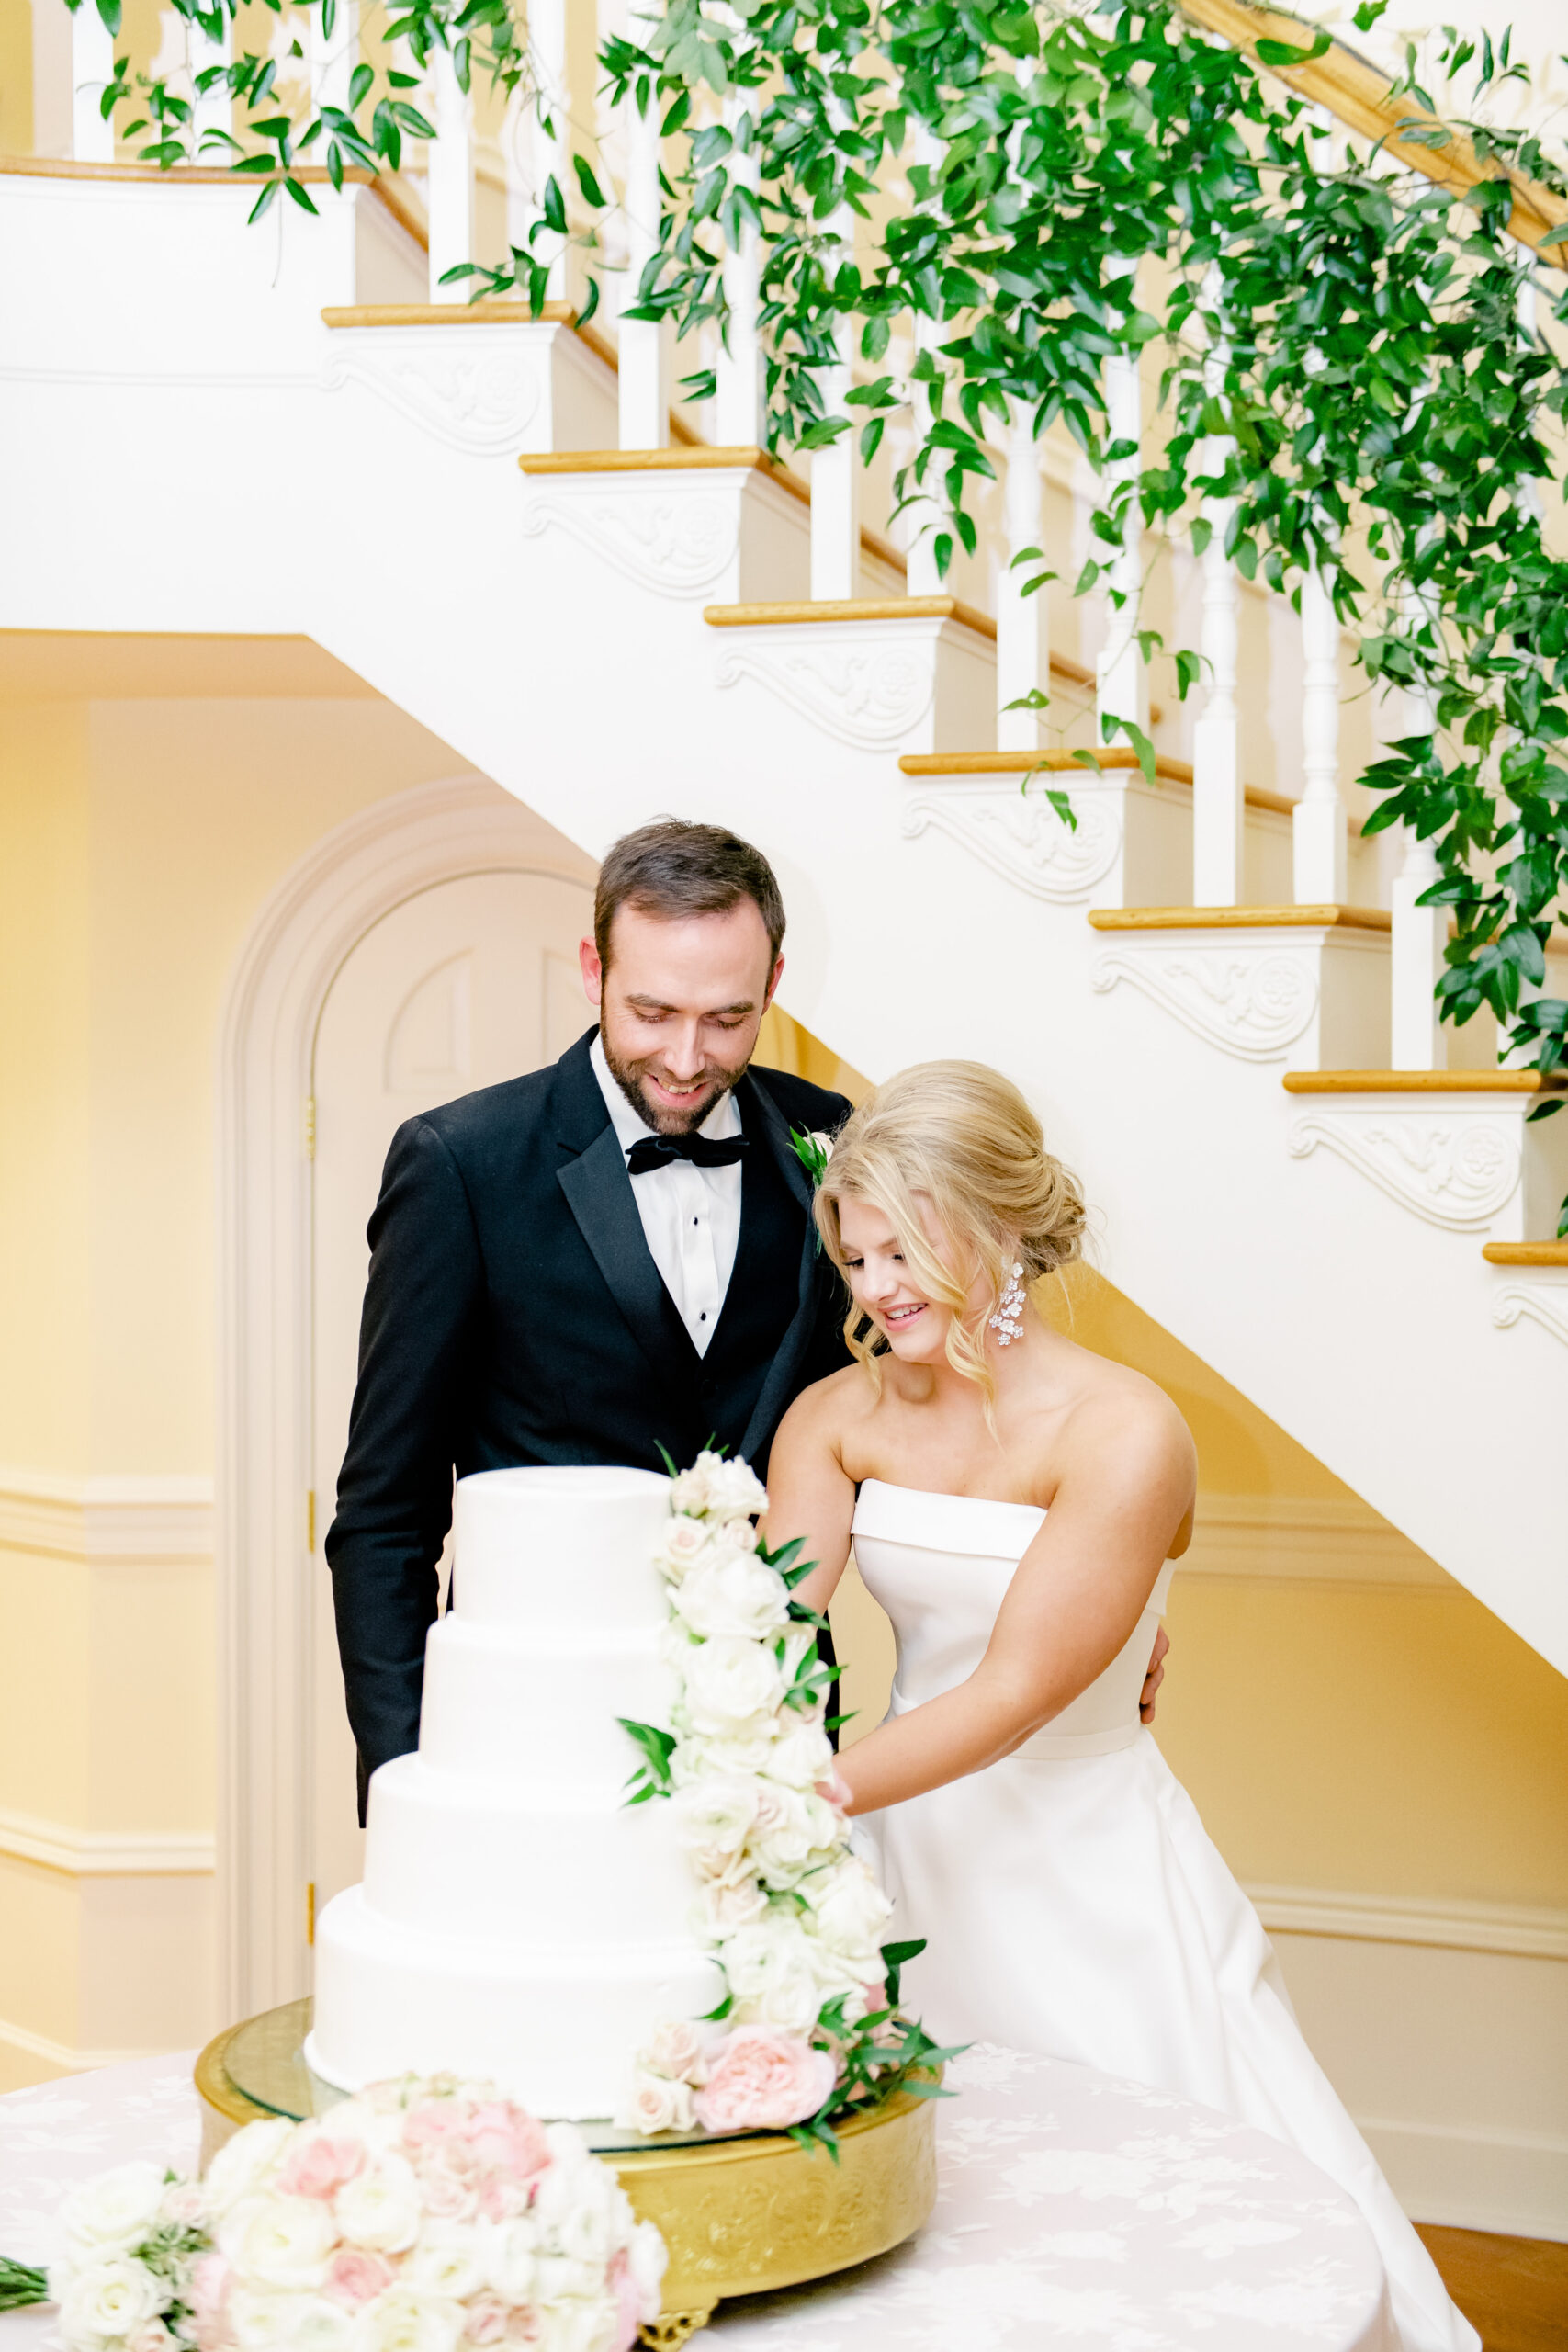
914, 1326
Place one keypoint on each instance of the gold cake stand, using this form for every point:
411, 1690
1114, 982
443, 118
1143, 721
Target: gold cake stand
738, 2216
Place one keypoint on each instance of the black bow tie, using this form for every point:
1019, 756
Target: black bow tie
658, 1151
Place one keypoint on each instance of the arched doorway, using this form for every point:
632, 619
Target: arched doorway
381, 976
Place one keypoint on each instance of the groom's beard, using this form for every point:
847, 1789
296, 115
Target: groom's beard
714, 1082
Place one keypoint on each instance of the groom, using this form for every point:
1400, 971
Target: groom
609, 1256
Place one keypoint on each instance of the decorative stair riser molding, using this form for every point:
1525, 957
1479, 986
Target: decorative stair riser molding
1543, 1304
723, 535
1467, 1164
485, 392
1128, 847
892, 687
1304, 995
106, 1521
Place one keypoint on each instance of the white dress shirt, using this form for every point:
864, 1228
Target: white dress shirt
691, 1216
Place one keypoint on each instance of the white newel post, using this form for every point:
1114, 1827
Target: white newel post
1023, 625
835, 472
644, 379
737, 403
213, 110
546, 39
92, 68
1219, 797
332, 62
1320, 831
449, 159
1121, 674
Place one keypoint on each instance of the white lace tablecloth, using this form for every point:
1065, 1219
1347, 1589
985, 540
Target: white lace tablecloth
1073, 2208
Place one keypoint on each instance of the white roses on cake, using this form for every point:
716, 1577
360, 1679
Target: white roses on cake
792, 1915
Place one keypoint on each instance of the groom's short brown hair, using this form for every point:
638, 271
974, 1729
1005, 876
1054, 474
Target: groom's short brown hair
672, 868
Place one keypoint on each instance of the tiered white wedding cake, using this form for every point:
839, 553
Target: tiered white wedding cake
517, 1920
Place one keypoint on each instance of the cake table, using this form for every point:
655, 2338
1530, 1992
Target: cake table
1071, 2209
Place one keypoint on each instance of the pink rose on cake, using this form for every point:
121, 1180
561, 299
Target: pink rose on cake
764, 2081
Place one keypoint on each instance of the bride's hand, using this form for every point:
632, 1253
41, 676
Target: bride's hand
1155, 1675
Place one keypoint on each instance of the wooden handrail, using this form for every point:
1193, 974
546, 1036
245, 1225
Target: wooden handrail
1422, 1081
1359, 94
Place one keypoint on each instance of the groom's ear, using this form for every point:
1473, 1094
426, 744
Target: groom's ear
593, 972
773, 984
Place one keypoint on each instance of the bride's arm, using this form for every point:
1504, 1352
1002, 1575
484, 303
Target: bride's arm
1072, 1602
809, 1493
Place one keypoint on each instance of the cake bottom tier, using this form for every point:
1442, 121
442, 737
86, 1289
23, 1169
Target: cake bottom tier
558, 2030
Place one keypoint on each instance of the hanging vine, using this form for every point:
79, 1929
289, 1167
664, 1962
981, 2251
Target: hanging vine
1342, 350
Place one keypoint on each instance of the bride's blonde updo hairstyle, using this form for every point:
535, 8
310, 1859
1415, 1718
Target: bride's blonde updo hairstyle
963, 1138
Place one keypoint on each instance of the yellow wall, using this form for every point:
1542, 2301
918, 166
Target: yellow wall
140, 830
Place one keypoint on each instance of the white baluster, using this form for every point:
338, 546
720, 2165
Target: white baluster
1219, 799
1122, 673
546, 36
738, 404
1023, 624
92, 68
1320, 831
332, 61
212, 110
836, 472
644, 348
450, 187
928, 518
1418, 1040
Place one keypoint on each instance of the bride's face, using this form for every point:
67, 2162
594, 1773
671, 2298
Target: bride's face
883, 1286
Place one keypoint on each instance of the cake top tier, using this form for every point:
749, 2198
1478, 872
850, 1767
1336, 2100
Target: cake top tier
559, 1547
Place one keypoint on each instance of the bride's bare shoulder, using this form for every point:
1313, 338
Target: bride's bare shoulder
828, 1411
1119, 1416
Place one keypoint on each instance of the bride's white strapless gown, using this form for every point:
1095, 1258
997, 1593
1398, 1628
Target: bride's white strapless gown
1072, 1901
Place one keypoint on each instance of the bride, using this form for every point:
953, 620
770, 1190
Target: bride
1017, 1505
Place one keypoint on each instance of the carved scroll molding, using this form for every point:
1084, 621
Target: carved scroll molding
1022, 838
1456, 1173
478, 402
1252, 1005
868, 696
1549, 1307
679, 542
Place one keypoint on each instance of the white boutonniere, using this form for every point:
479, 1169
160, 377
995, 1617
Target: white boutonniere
814, 1149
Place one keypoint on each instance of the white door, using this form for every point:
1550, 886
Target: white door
471, 981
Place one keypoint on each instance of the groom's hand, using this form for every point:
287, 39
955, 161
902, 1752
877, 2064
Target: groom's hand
1155, 1675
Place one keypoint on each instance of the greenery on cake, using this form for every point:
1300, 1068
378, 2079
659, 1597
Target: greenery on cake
809, 2031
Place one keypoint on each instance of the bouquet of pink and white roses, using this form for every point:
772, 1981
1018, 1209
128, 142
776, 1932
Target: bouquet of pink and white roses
809, 2030
423, 2216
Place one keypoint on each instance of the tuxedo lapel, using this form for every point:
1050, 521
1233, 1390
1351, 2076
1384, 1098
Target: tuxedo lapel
762, 1117
599, 1194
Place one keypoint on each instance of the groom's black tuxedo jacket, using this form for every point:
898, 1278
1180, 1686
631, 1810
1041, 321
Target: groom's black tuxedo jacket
515, 1314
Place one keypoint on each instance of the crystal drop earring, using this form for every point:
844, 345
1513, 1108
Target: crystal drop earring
1008, 1320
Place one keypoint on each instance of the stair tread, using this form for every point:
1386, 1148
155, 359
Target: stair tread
1241, 919
1424, 1081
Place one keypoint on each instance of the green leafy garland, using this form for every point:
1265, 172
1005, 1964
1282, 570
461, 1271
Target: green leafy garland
1342, 353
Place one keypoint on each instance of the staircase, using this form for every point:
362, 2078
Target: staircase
1205, 988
